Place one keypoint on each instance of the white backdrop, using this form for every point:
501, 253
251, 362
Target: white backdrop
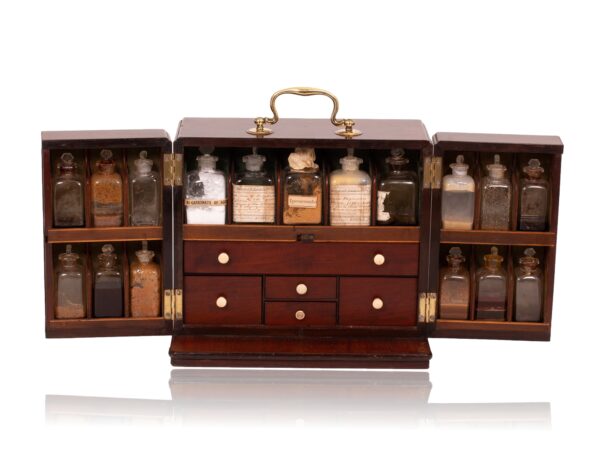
503, 66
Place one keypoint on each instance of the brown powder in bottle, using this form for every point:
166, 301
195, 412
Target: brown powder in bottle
145, 285
70, 312
303, 215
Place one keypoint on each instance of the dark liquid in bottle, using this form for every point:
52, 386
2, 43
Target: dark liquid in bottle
108, 297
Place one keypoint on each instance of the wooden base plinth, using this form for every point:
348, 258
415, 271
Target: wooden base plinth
279, 351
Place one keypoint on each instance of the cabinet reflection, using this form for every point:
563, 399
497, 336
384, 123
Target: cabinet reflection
293, 397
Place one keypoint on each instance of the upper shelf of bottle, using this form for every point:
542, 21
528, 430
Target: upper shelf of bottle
376, 134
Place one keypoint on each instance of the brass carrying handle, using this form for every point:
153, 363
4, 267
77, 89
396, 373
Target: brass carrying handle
348, 131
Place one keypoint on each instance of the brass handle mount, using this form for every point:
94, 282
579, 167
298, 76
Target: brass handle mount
260, 130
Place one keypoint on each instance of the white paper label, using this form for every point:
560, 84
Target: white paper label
350, 204
302, 201
253, 204
382, 215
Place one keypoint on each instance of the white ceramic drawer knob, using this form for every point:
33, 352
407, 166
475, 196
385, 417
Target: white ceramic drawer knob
378, 259
301, 289
221, 302
300, 315
377, 303
223, 258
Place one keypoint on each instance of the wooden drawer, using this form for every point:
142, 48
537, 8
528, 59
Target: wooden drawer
301, 288
300, 314
378, 301
222, 300
298, 258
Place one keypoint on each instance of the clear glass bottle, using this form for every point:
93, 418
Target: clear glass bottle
70, 287
144, 193
529, 288
454, 287
491, 288
145, 284
254, 193
533, 198
206, 193
397, 192
495, 198
107, 193
68, 194
108, 284
350, 193
458, 197
302, 189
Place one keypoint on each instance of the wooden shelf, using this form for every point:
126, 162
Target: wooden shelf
546, 239
291, 233
118, 326
72, 235
478, 329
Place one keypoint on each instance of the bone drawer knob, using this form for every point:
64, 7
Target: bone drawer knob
300, 315
377, 303
301, 289
221, 302
379, 259
223, 258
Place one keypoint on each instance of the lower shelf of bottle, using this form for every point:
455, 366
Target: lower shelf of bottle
480, 329
117, 326
291, 233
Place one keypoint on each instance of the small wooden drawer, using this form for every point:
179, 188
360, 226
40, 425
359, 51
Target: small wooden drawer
299, 258
378, 301
301, 288
222, 300
300, 314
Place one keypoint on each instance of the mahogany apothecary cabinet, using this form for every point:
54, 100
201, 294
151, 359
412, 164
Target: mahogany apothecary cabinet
300, 295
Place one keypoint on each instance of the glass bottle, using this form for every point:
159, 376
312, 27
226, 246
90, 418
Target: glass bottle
107, 193
206, 194
533, 198
145, 284
397, 192
68, 194
528, 288
454, 287
145, 193
254, 193
302, 189
458, 197
491, 288
70, 297
108, 285
350, 193
495, 198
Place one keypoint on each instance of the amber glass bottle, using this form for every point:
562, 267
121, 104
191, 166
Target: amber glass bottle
491, 288
454, 287
397, 192
107, 193
145, 284
302, 189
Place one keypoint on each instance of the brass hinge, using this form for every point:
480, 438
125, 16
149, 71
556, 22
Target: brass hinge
427, 307
432, 172
168, 304
173, 169
178, 304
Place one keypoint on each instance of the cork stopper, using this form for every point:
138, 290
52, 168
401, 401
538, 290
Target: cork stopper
534, 169
303, 158
493, 259
143, 165
528, 261
106, 163
459, 167
144, 255
496, 170
455, 257
68, 258
396, 158
107, 258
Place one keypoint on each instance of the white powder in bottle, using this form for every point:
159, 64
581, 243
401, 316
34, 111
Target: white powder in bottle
206, 194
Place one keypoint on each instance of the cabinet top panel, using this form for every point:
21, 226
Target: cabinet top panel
498, 142
292, 132
52, 138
